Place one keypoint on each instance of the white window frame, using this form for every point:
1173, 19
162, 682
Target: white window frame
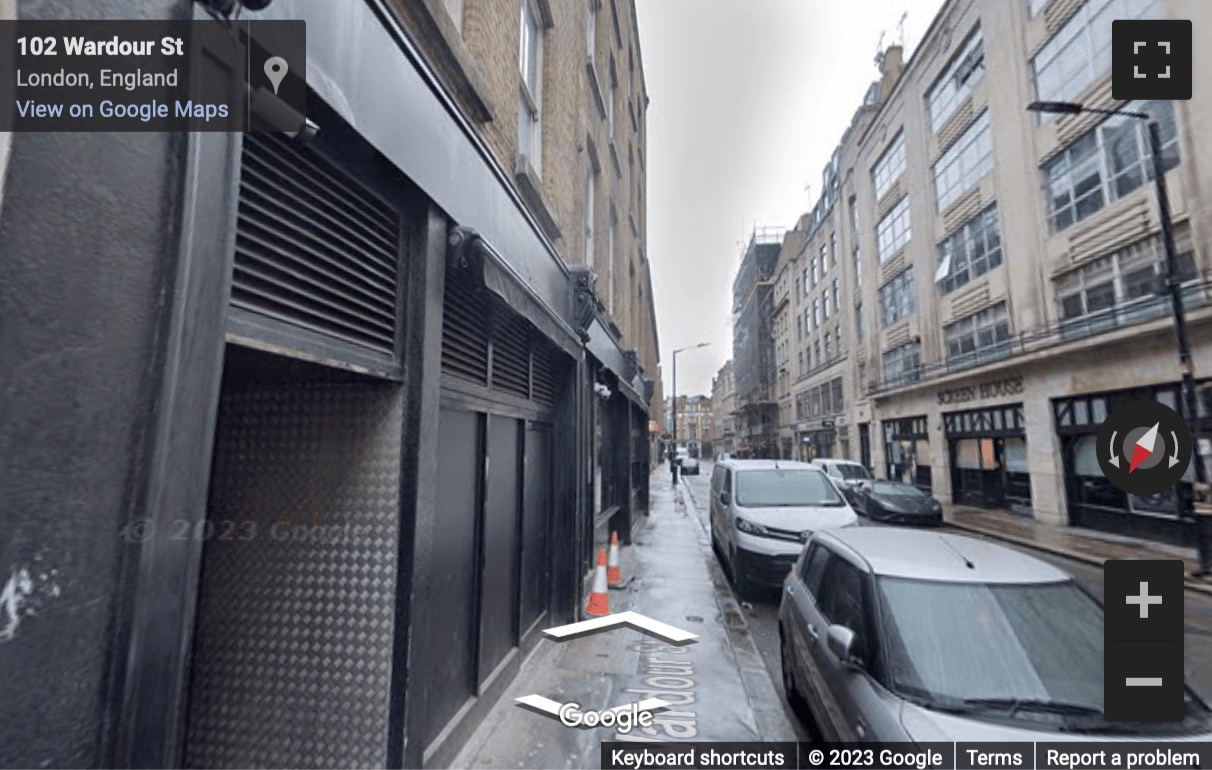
455, 9
1080, 51
893, 231
1074, 179
903, 363
964, 71
889, 167
964, 163
898, 297
591, 33
590, 215
1116, 268
991, 323
610, 97
530, 97
975, 248
610, 265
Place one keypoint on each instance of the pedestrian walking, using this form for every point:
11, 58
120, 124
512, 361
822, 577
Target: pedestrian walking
1201, 527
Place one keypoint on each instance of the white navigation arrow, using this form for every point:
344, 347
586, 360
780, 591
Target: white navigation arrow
1114, 455
1174, 457
629, 619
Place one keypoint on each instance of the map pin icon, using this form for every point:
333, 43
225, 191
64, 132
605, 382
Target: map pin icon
275, 69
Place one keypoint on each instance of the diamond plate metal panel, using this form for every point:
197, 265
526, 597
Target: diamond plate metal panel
294, 632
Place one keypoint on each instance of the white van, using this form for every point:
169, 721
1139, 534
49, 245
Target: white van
762, 513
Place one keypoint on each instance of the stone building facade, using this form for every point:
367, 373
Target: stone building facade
1001, 272
723, 404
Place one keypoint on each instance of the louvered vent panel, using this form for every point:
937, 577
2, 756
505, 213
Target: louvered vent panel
543, 376
464, 333
511, 355
314, 247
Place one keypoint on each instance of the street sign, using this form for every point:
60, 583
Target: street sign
654, 426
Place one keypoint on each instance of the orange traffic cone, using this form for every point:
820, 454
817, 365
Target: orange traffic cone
614, 571
599, 602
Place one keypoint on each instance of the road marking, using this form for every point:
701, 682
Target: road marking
629, 619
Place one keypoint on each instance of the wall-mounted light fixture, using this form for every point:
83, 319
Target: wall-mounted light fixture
602, 391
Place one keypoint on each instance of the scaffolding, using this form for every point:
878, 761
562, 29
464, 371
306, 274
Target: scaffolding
753, 342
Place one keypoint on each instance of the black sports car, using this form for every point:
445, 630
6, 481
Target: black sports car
897, 503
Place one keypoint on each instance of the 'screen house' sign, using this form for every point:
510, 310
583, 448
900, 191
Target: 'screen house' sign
1010, 386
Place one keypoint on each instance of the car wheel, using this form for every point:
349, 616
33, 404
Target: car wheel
740, 578
789, 689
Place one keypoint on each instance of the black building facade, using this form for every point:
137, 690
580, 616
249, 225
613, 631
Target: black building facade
304, 440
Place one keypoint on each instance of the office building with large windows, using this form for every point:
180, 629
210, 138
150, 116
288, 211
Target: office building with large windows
1008, 274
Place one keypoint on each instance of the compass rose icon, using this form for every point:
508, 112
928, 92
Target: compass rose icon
1144, 447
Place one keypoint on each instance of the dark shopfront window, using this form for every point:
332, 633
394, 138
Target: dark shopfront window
1092, 501
819, 444
989, 457
907, 451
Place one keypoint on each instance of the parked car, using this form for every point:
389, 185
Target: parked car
762, 513
845, 474
682, 455
690, 466
890, 634
895, 502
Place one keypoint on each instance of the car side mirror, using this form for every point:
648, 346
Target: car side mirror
725, 498
840, 641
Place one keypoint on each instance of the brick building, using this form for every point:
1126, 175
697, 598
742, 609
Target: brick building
463, 276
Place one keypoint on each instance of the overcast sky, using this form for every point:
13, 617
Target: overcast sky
749, 98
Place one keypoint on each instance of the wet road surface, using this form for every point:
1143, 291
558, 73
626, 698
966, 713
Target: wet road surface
762, 611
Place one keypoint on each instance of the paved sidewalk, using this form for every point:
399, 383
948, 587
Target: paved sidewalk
1082, 544
719, 683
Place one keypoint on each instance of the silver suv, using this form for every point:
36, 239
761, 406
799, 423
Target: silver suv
845, 474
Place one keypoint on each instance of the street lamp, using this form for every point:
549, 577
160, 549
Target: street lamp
1172, 284
673, 441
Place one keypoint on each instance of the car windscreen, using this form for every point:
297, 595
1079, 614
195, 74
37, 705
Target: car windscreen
957, 644
853, 472
787, 487
896, 490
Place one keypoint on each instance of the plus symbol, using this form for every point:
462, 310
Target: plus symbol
1144, 600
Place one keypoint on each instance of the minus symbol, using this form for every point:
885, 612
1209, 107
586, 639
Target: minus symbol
1143, 681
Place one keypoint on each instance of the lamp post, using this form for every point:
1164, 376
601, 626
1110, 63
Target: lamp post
673, 440
1174, 287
